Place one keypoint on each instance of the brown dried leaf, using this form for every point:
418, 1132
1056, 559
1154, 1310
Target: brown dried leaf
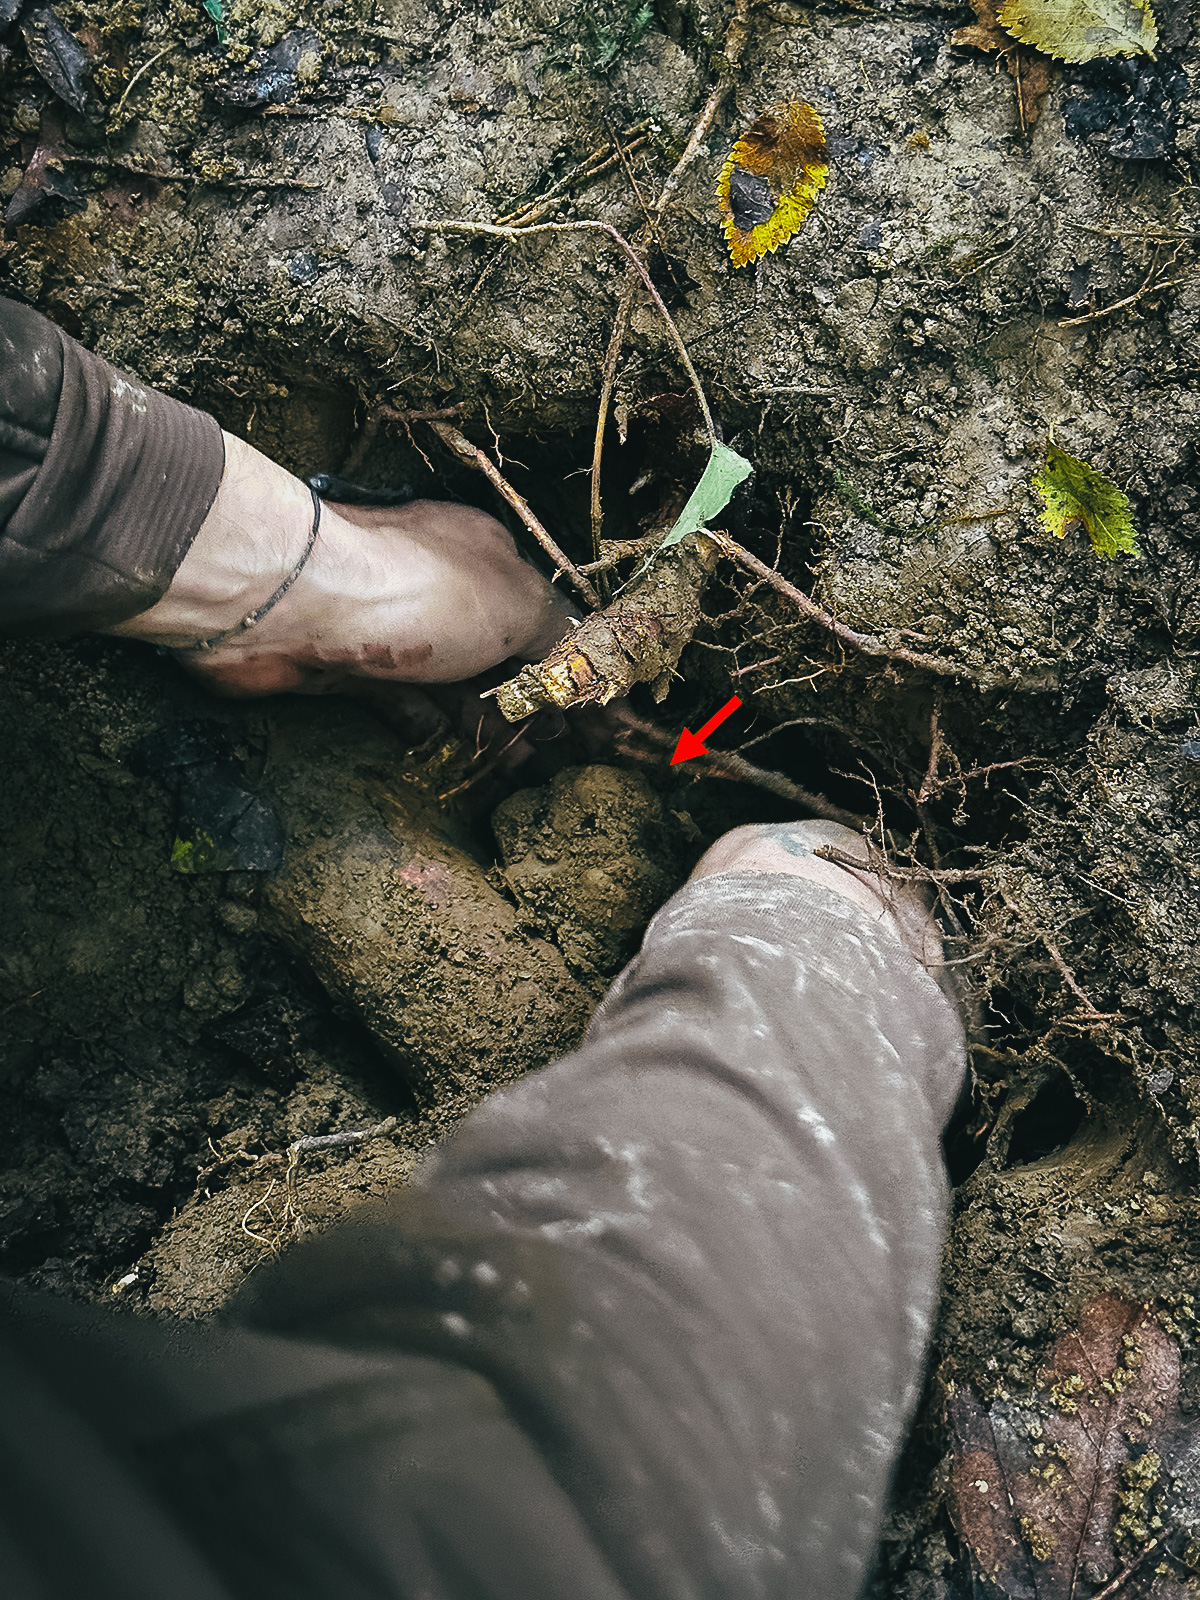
57, 54
1028, 67
46, 193
771, 180
1047, 1492
1034, 75
985, 33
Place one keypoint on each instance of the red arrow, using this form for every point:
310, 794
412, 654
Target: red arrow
692, 744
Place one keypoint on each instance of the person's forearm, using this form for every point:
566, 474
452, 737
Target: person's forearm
104, 483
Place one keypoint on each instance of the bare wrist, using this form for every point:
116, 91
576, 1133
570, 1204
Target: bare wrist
255, 533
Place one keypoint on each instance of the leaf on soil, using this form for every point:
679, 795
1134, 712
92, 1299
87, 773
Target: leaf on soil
725, 470
1053, 1494
1031, 70
1032, 73
216, 11
45, 187
1081, 30
57, 54
1071, 492
771, 180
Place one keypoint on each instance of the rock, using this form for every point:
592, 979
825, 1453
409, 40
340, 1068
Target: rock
588, 857
401, 923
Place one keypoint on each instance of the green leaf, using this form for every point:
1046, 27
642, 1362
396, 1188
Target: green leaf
1081, 30
1071, 491
725, 470
200, 854
216, 11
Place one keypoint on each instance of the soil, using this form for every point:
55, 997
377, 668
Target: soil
965, 287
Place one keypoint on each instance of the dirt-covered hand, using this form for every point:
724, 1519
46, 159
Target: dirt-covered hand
424, 593
789, 847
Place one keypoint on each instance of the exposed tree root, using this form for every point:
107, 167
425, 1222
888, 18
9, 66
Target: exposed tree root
728, 764
865, 643
324, 1141
473, 456
637, 639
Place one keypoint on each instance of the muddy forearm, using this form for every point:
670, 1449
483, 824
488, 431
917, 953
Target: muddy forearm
103, 482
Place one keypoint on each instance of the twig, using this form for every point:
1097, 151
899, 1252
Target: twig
138, 75
865, 643
623, 154
829, 852
492, 231
1129, 300
370, 429
324, 1141
389, 414
117, 164
982, 772
1068, 976
488, 767
1056, 955
1123, 1577
755, 666
935, 752
1162, 236
585, 172
472, 456
920, 796
728, 764
614, 551
256, 183
607, 381
735, 41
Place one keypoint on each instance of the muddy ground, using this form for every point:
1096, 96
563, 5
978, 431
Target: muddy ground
243, 228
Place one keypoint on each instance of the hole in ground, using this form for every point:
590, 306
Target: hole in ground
1047, 1124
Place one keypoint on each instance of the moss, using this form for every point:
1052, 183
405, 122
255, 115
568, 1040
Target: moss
1140, 1477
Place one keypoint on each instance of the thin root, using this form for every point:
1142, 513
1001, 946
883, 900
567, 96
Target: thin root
472, 456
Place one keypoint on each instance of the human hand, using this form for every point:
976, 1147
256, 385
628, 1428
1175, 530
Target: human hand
429, 592
789, 847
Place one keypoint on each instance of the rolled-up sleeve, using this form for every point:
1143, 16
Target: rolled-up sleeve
104, 482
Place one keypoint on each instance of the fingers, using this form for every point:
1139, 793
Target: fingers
241, 674
430, 592
791, 847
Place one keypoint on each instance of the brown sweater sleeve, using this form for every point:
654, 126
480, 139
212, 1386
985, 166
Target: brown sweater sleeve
104, 483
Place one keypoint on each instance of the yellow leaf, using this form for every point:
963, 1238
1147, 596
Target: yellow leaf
1071, 491
1081, 30
771, 180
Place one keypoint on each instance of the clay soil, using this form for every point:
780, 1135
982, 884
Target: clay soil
966, 286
